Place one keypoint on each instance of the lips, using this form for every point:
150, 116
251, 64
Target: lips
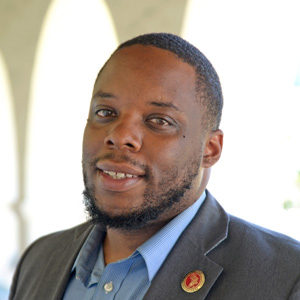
118, 177
113, 168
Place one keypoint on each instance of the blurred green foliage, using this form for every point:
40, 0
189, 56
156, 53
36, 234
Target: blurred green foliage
288, 204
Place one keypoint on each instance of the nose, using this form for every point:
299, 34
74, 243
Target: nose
124, 135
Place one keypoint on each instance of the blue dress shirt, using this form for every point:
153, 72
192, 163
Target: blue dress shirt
128, 278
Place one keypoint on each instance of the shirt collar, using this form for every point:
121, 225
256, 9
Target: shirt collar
88, 255
156, 249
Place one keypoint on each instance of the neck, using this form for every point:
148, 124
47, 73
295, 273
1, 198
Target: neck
119, 244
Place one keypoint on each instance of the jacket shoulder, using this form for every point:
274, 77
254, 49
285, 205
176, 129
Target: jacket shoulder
260, 237
49, 258
60, 237
257, 262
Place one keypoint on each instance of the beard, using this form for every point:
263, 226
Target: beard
164, 197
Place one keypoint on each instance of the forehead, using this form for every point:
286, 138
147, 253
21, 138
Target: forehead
148, 58
148, 67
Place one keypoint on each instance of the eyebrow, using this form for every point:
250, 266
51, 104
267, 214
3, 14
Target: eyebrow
101, 94
164, 104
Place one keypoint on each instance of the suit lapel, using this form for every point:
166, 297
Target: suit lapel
60, 266
56, 275
206, 231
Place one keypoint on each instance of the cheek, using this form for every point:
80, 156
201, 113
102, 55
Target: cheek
92, 142
168, 157
190, 149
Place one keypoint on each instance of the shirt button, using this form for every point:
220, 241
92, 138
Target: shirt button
108, 287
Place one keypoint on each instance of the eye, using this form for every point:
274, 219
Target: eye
162, 124
159, 121
105, 113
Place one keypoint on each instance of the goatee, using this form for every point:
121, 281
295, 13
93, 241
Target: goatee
157, 200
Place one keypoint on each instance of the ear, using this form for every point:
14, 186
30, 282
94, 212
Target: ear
213, 148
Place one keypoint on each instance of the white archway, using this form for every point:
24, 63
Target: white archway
76, 38
8, 180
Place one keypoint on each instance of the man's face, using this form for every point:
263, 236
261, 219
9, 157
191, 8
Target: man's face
143, 143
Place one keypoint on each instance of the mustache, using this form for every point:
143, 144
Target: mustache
119, 159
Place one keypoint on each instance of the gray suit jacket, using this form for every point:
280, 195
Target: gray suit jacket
240, 261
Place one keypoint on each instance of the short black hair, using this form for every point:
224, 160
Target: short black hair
208, 86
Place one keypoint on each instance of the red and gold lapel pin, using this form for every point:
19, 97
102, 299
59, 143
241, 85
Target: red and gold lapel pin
193, 281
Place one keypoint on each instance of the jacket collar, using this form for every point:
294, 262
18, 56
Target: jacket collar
206, 232
61, 262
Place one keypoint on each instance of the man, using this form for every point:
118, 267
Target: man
151, 137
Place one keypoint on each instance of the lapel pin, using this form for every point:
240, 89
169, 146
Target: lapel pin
193, 281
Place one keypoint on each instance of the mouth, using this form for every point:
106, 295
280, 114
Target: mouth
119, 175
